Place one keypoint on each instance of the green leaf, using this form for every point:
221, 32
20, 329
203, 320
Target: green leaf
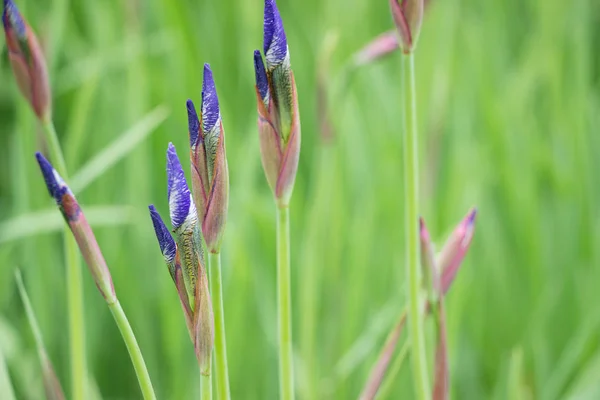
50, 220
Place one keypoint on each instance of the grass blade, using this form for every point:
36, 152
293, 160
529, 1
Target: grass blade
52, 385
118, 149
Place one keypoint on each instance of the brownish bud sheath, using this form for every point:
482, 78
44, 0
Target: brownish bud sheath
408, 16
27, 61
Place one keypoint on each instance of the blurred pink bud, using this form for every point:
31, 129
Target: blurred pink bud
408, 16
455, 249
381, 46
27, 61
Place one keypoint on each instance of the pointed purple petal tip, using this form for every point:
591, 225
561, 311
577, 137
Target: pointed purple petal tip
262, 83
471, 217
275, 41
193, 123
210, 101
55, 184
11, 18
178, 191
165, 240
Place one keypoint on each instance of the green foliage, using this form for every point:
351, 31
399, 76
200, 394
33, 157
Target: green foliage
508, 97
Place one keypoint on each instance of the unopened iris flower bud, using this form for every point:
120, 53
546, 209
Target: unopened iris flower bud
408, 16
27, 61
452, 254
278, 116
189, 246
210, 177
169, 251
82, 232
381, 46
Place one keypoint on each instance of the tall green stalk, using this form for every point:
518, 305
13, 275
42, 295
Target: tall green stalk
216, 292
411, 198
74, 281
284, 304
134, 350
205, 387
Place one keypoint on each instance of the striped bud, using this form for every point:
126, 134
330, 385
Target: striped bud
27, 61
210, 175
80, 228
278, 115
189, 249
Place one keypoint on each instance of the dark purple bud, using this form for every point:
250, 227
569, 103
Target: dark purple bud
262, 82
210, 101
178, 191
165, 240
275, 42
54, 182
193, 124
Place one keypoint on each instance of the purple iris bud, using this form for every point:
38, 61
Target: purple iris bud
178, 191
210, 101
11, 17
262, 82
193, 123
55, 184
275, 42
165, 240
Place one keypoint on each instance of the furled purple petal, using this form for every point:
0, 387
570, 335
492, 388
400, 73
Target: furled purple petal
55, 184
165, 240
178, 191
11, 18
210, 101
262, 83
193, 123
275, 42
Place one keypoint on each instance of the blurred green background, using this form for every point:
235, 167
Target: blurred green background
509, 120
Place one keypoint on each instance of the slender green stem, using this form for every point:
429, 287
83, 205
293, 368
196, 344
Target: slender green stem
205, 387
74, 282
216, 292
411, 179
134, 350
284, 303
392, 376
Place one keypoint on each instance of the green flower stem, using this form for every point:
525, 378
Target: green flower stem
411, 179
216, 291
74, 282
284, 303
205, 387
134, 350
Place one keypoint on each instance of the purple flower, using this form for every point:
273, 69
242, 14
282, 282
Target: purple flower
210, 102
165, 240
178, 191
262, 82
11, 18
275, 42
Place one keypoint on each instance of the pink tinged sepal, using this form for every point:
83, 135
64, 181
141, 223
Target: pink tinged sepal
452, 254
279, 158
27, 61
84, 236
408, 16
